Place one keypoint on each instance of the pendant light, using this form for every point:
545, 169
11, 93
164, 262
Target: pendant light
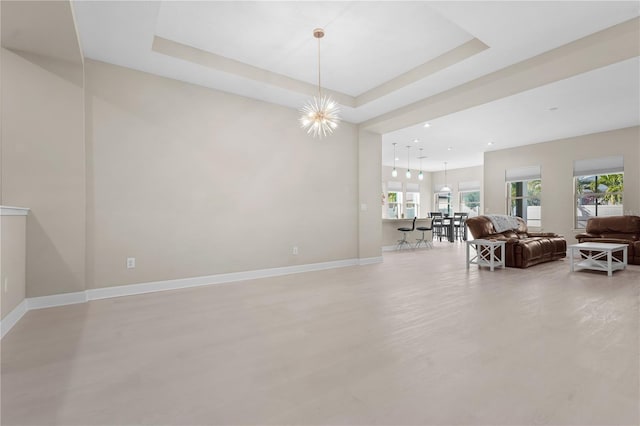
445, 188
421, 175
320, 116
408, 174
394, 172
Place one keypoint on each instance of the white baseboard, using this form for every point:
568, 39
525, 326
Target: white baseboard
369, 260
56, 300
13, 317
150, 287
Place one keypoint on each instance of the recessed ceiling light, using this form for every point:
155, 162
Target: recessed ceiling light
427, 125
490, 143
397, 159
449, 149
553, 108
416, 140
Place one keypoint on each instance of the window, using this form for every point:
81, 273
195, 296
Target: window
598, 195
469, 193
524, 200
394, 205
412, 205
598, 188
394, 200
524, 188
443, 202
470, 202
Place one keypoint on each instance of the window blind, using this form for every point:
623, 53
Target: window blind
393, 186
522, 173
598, 166
469, 186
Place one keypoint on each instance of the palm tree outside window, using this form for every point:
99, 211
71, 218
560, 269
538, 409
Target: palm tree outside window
524, 200
598, 195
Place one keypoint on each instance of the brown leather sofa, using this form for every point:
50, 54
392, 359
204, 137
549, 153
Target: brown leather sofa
616, 230
522, 248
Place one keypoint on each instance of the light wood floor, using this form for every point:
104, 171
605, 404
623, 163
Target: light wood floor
415, 340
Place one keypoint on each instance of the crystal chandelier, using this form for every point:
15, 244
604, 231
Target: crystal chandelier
320, 115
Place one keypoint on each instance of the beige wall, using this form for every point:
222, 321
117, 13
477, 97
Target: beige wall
43, 167
12, 264
556, 162
369, 164
194, 182
454, 178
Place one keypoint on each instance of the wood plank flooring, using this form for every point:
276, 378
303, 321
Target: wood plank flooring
418, 339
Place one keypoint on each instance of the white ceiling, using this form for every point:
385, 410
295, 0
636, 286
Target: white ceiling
378, 57
604, 99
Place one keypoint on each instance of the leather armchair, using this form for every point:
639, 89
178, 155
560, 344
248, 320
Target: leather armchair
522, 248
616, 230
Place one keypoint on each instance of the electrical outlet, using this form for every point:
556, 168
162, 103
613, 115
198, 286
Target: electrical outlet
131, 262
295, 250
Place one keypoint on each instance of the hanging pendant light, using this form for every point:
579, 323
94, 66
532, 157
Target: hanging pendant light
445, 188
408, 174
394, 172
320, 115
420, 175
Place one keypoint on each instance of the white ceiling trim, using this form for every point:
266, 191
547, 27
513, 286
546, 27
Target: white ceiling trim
583, 55
231, 66
211, 60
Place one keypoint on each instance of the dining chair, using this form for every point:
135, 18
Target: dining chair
459, 225
437, 225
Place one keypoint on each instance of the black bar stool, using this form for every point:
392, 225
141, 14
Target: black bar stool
404, 231
428, 243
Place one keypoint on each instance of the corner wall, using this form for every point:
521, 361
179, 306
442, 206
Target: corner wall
369, 169
43, 167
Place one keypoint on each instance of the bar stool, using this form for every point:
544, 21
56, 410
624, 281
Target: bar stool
404, 231
427, 243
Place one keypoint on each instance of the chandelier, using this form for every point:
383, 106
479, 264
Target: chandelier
320, 115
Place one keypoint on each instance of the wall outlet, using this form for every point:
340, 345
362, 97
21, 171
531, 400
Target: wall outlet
295, 250
131, 262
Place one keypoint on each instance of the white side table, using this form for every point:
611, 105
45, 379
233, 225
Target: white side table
597, 257
486, 253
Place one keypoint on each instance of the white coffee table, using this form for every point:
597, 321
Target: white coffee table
486, 253
597, 257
